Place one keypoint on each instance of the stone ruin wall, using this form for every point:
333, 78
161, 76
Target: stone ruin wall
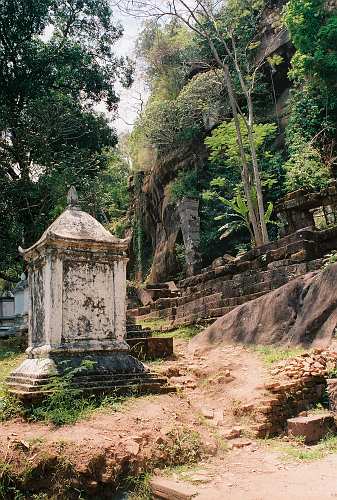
219, 289
295, 386
230, 282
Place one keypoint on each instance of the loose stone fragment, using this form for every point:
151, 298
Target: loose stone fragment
312, 428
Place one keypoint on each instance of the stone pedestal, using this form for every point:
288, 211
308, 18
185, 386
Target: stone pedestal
77, 312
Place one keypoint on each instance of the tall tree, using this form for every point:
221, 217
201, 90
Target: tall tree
56, 63
220, 25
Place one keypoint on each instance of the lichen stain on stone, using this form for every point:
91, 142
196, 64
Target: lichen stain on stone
84, 327
87, 295
95, 304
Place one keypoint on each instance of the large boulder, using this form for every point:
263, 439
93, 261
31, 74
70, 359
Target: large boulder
302, 312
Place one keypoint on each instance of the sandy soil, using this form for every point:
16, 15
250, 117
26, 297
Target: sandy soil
256, 474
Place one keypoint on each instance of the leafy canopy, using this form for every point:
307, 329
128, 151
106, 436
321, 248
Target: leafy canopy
56, 63
313, 30
223, 144
311, 128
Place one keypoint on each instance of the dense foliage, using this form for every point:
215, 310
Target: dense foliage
311, 130
56, 64
189, 104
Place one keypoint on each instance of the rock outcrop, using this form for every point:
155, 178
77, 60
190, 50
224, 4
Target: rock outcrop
302, 312
160, 217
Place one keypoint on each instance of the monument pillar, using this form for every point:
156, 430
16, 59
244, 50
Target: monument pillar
77, 287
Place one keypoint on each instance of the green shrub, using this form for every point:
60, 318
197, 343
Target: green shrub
305, 169
64, 405
185, 185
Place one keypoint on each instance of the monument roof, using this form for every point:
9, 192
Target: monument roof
75, 225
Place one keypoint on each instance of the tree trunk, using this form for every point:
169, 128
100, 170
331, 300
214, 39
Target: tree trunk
245, 171
256, 224
257, 177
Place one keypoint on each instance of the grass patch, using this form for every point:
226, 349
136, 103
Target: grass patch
274, 354
299, 452
64, 405
61, 407
11, 355
183, 447
183, 332
153, 324
138, 487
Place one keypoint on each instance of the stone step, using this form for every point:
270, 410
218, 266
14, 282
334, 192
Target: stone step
81, 379
157, 286
152, 388
220, 311
167, 489
138, 334
238, 301
133, 327
39, 388
312, 428
165, 303
161, 293
152, 347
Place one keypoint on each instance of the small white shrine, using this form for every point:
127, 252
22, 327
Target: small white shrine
77, 307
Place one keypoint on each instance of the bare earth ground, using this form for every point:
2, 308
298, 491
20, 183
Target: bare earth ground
211, 386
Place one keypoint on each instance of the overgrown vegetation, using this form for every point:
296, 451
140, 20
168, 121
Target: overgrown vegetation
190, 103
64, 405
211, 95
311, 131
56, 64
11, 355
274, 354
55, 475
298, 451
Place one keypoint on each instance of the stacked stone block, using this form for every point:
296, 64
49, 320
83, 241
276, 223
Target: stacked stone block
226, 284
297, 385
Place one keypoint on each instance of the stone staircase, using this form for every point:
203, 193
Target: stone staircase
225, 285
143, 345
28, 388
134, 331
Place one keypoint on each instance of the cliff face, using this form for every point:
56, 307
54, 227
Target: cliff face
160, 218
159, 214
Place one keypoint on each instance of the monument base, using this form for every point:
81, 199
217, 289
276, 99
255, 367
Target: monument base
97, 372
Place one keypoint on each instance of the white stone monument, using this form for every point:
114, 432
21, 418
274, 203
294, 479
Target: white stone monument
77, 308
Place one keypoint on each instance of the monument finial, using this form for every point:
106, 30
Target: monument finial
72, 198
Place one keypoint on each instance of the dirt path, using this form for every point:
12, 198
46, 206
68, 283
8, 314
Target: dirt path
252, 474
211, 386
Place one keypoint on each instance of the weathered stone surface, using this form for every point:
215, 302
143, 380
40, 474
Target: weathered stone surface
167, 489
302, 312
213, 292
311, 428
296, 209
332, 393
188, 210
151, 347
